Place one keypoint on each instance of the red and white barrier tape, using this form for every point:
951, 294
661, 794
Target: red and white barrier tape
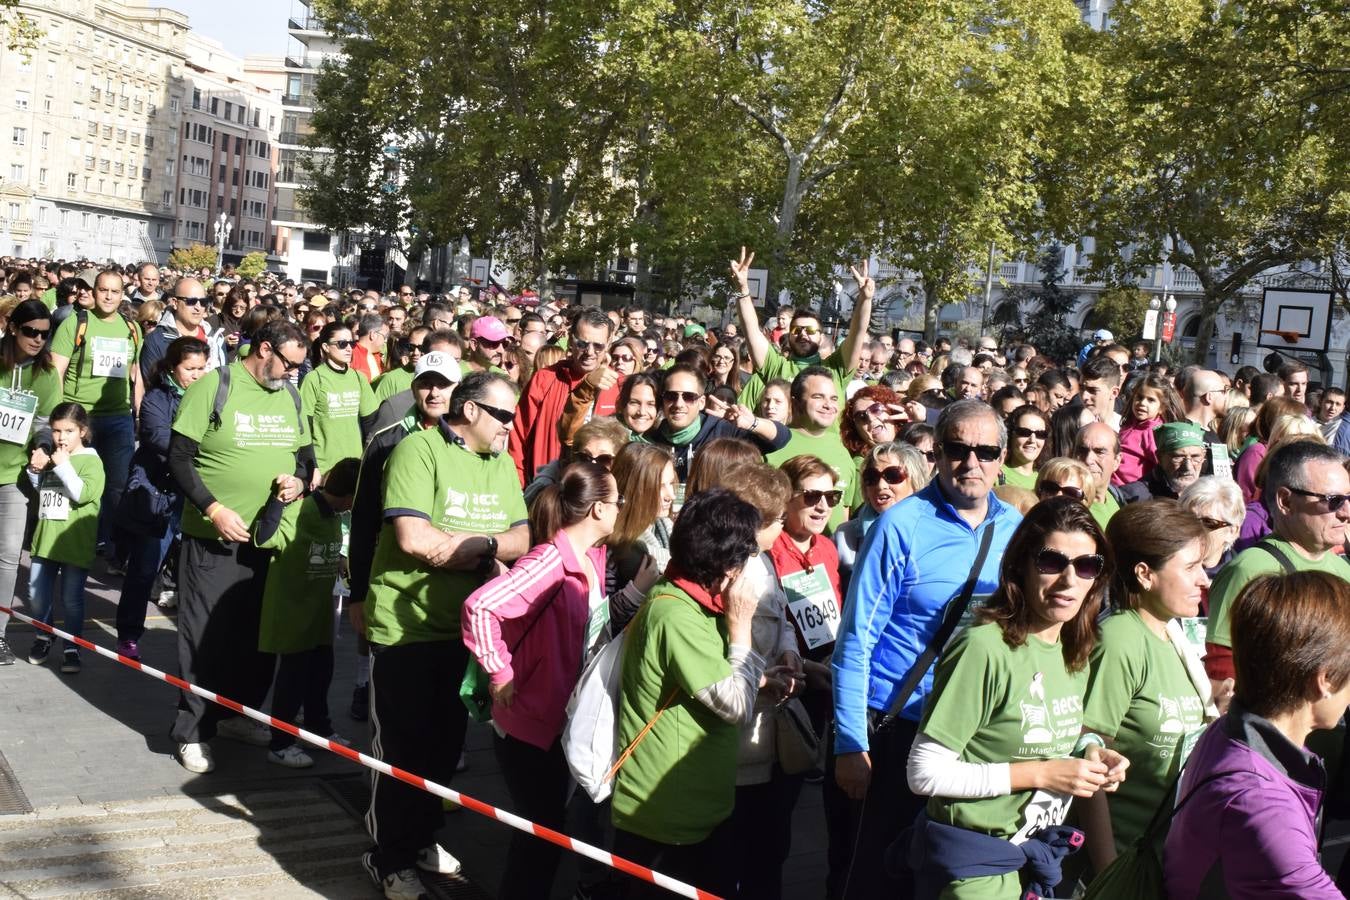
601, 856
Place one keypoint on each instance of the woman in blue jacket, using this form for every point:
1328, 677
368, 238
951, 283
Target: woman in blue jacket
184, 362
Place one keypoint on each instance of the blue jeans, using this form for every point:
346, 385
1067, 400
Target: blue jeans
145, 555
42, 577
114, 437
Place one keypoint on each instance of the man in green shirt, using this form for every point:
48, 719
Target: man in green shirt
1306, 492
1097, 446
815, 408
804, 335
453, 513
226, 462
105, 379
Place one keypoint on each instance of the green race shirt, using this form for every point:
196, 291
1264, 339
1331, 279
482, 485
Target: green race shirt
1139, 693
395, 381
991, 704
776, 365
680, 782
432, 477
297, 611
831, 451
1104, 510
256, 440
334, 403
1246, 566
1017, 479
67, 527
97, 377
26, 379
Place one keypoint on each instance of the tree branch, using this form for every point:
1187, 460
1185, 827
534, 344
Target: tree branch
764, 122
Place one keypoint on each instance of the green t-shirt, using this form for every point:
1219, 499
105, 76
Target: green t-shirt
1246, 566
395, 381
98, 377
1017, 479
832, 452
432, 477
48, 298
680, 782
256, 440
297, 610
67, 527
26, 379
776, 365
994, 704
1103, 511
334, 403
1139, 693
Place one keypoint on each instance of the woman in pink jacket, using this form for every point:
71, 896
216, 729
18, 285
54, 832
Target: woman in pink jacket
531, 629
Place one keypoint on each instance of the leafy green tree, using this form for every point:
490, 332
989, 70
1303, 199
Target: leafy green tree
1121, 311
193, 258
1047, 324
252, 265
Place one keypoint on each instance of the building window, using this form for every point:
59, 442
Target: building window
70, 180
42, 177
21, 99
173, 106
160, 231
196, 98
19, 136
15, 172
46, 140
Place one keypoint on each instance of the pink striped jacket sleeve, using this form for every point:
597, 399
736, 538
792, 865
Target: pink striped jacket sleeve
511, 595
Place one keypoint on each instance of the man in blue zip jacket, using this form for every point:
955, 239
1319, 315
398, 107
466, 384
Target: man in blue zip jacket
914, 562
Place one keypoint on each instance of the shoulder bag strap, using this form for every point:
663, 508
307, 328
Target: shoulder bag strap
950, 619
222, 395
1280, 556
1166, 811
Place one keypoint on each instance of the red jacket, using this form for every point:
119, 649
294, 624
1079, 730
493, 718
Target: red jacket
371, 365
534, 439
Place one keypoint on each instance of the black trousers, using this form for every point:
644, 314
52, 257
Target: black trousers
417, 724
705, 865
762, 823
220, 589
857, 866
537, 781
302, 682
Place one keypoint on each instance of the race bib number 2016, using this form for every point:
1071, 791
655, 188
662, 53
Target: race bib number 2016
111, 356
16, 415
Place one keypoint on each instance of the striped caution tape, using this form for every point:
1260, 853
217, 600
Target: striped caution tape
506, 818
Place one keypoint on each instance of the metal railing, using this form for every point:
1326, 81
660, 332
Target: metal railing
305, 99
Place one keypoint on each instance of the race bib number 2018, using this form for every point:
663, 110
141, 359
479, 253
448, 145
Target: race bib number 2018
53, 505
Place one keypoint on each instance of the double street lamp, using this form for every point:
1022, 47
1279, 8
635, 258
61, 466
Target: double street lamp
1158, 322
223, 227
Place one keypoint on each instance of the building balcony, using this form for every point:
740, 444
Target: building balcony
290, 214
305, 100
16, 226
307, 23
294, 138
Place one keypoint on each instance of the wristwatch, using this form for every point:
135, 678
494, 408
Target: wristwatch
489, 555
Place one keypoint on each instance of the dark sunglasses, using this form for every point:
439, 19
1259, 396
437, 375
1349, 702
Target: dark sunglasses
689, 397
504, 416
604, 460
893, 475
1214, 524
955, 451
592, 346
1039, 434
862, 415
1333, 501
290, 366
1054, 489
813, 498
342, 345
193, 301
34, 333
492, 345
623, 358
1052, 562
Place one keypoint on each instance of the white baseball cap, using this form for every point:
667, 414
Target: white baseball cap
439, 362
1103, 335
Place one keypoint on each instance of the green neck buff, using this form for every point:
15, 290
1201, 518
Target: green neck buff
685, 434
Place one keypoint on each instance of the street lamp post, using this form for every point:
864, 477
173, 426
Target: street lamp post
223, 227
1171, 307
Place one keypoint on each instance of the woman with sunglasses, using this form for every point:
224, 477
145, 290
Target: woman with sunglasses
1063, 476
890, 473
1028, 430
875, 416
1000, 749
807, 566
1148, 695
532, 629
335, 399
1217, 502
26, 368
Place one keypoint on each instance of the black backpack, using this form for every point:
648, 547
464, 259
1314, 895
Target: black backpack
223, 394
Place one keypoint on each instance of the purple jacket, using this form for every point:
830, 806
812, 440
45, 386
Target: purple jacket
1252, 832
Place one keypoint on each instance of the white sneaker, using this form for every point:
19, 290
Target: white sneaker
245, 731
401, 885
291, 757
167, 600
196, 758
437, 859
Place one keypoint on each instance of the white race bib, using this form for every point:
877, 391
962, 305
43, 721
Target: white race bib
813, 606
16, 415
110, 357
53, 505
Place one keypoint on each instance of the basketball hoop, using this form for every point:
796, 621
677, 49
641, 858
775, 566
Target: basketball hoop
1290, 337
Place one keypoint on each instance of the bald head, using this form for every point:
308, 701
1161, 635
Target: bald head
187, 314
1097, 446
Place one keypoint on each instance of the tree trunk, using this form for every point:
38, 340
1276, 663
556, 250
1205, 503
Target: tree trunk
931, 307
1209, 312
787, 223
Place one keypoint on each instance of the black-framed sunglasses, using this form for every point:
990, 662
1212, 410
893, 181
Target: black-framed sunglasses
956, 451
862, 415
34, 333
345, 344
603, 460
504, 416
689, 397
813, 498
1039, 434
193, 301
1055, 489
1052, 562
892, 474
592, 346
290, 366
1333, 501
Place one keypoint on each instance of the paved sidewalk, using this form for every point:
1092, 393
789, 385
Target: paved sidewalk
116, 816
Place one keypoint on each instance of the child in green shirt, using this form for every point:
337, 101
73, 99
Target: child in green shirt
297, 613
69, 481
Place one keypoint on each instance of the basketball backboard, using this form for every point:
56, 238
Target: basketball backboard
1295, 320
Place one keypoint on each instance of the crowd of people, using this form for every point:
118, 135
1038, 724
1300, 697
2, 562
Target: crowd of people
1027, 621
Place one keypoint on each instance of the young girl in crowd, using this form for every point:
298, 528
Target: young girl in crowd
69, 482
1153, 402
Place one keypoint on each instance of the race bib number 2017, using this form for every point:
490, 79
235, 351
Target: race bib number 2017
16, 415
